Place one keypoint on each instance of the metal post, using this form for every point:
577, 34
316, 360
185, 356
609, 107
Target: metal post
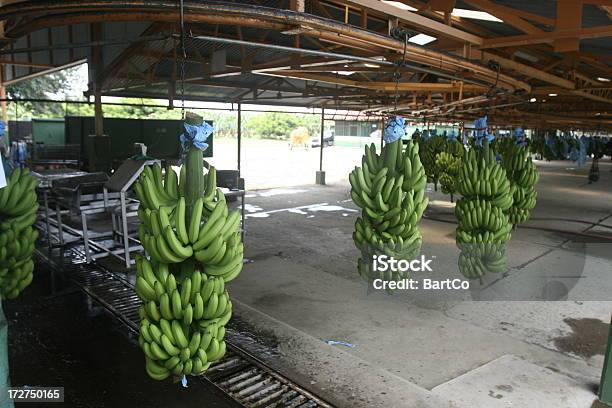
239, 134
320, 179
3, 106
322, 137
3, 102
605, 385
124, 226
85, 236
46, 203
60, 228
382, 132
99, 116
96, 64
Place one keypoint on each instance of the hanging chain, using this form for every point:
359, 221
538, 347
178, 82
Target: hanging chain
183, 58
397, 75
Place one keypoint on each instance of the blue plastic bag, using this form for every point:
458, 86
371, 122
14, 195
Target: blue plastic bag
394, 129
196, 135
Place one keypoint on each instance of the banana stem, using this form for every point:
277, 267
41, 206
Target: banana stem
194, 162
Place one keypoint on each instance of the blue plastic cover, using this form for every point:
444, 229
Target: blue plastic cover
480, 131
196, 135
394, 129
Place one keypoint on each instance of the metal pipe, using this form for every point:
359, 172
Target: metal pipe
165, 107
382, 132
239, 136
322, 137
87, 44
324, 54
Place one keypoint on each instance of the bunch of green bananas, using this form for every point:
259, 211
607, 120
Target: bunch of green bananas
192, 253
18, 212
390, 190
182, 321
523, 176
448, 168
503, 144
483, 224
480, 259
429, 149
454, 147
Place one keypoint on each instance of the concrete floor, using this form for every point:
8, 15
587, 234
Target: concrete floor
303, 288
270, 163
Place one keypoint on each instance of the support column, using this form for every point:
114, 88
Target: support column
382, 132
98, 145
99, 114
5, 141
239, 136
320, 179
3, 103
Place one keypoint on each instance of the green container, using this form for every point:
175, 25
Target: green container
160, 136
48, 131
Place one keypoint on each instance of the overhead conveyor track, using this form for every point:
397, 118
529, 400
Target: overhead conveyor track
240, 375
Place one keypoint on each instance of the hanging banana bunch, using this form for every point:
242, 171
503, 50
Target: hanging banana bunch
390, 190
523, 176
448, 167
428, 151
483, 225
193, 247
18, 212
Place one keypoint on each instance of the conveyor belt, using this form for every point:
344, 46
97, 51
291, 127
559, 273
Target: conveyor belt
242, 376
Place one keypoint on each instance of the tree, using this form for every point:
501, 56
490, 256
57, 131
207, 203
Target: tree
57, 85
275, 125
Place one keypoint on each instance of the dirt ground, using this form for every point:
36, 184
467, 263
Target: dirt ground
271, 163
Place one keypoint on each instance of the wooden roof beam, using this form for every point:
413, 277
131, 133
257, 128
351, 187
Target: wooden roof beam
569, 17
509, 15
536, 18
454, 86
416, 20
524, 69
547, 37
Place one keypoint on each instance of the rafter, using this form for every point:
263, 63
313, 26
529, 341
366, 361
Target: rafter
547, 37
122, 59
509, 15
454, 86
417, 20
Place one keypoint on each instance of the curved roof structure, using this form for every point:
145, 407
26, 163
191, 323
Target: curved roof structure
540, 63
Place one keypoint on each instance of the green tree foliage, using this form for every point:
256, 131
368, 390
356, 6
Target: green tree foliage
274, 125
58, 85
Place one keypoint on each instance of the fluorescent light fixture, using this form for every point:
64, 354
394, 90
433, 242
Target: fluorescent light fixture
400, 5
346, 73
526, 56
473, 14
600, 79
552, 94
422, 39
533, 100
